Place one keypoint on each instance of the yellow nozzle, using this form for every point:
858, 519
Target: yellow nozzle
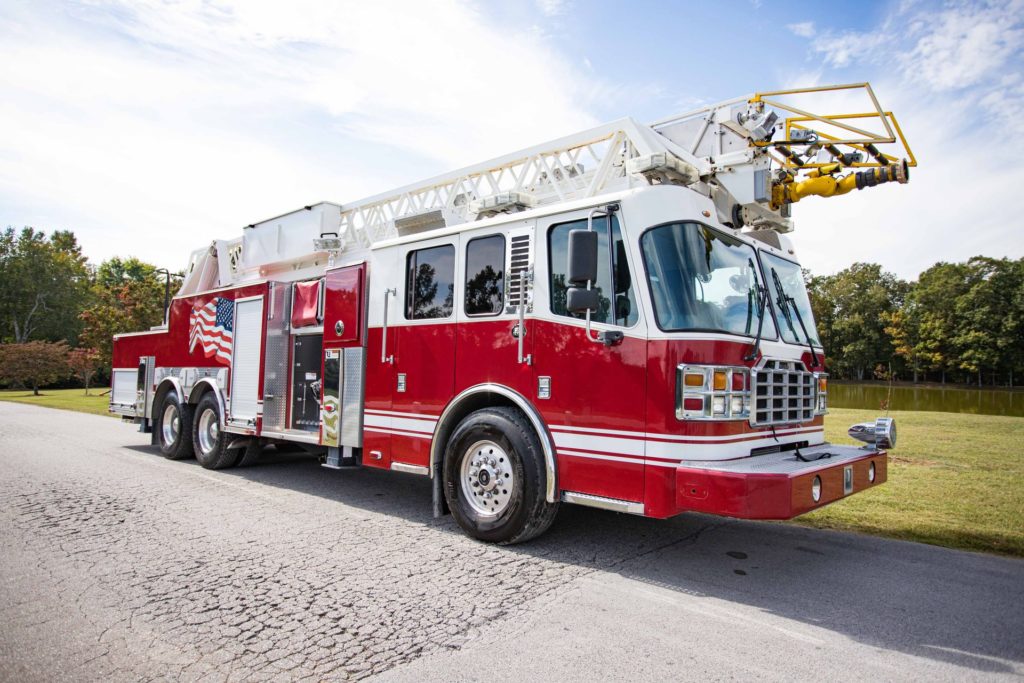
821, 183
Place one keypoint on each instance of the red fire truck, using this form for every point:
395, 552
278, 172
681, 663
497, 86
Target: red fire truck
614, 319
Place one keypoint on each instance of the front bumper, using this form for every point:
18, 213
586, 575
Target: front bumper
777, 485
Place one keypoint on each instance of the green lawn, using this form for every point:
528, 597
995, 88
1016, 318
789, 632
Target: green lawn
955, 480
65, 399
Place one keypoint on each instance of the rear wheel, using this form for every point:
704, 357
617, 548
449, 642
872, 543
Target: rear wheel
174, 428
495, 477
209, 441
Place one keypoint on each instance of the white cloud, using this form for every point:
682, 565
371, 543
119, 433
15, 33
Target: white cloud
151, 127
952, 77
804, 29
552, 8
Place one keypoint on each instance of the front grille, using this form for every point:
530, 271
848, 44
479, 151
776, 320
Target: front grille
783, 393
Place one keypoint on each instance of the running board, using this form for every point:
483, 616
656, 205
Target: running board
613, 504
410, 469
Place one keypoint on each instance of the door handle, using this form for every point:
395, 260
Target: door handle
384, 357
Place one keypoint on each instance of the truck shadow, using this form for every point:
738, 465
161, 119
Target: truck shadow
954, 607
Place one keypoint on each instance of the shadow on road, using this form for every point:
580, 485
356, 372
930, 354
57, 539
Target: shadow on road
948, 606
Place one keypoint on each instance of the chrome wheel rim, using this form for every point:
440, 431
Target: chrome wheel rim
170, 424
209, 431
487, 479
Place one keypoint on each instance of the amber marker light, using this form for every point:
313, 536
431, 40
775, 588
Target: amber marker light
694, 379
720, 380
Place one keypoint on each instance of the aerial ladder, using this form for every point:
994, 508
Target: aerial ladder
754, 156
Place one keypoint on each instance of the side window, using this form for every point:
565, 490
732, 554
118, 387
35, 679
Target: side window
614, 284
430, 282
485, 275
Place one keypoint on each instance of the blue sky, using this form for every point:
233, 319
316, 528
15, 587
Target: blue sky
150, 127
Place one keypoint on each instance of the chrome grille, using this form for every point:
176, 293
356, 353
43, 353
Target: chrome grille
783, 393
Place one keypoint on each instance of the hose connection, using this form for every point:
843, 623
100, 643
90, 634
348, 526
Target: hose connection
822, 182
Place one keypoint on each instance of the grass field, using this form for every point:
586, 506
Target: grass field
65, 399
955, 480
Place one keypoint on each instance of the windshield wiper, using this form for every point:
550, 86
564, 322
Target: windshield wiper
762, 302
787, 303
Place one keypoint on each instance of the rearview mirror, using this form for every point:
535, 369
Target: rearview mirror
582, 261
579, 300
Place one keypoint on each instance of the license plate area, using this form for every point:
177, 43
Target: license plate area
848, 480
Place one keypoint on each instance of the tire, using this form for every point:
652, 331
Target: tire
250, 454
208, 440
176, 440
490, 446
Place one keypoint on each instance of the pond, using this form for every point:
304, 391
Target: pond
950, 399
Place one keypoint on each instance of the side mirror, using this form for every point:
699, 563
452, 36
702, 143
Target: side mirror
580, 300
582, 261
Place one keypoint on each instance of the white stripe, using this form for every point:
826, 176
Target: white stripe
603, 444
591, 456
722, 451
397, 432
395, 413
678, 437
406, 424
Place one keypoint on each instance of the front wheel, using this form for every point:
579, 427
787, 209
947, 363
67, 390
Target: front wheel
208, 440
494, 477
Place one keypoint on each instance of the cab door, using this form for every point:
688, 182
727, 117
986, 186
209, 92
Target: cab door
424, 363
595, 408
496, 302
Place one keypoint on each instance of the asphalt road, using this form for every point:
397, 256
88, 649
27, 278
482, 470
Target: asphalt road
119, 565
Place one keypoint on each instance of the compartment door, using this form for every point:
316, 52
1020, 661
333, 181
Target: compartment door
245, 361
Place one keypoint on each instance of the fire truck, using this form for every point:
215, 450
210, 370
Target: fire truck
615, 319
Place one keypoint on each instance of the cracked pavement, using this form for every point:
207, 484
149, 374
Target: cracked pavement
120, 565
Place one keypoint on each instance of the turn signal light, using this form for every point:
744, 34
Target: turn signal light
694, 379
821, 397
720, 379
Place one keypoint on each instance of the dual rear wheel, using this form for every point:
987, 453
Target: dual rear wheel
185, 430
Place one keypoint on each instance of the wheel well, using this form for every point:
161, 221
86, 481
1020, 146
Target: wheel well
165, 388
459, 412
488, 396
198, 392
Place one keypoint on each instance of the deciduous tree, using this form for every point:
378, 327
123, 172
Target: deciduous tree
44, 281
33, 364
84, 363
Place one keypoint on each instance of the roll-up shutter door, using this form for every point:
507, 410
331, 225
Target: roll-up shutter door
245, 359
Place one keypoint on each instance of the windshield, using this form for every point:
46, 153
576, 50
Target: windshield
703, 280
791, 304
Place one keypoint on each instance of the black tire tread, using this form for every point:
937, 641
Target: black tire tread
250, 454
542, 514
183, 449
222, 457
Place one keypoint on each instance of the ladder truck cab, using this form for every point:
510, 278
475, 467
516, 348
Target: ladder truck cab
615, 319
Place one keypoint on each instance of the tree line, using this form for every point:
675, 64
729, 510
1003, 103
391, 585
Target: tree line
59, 313
958, 322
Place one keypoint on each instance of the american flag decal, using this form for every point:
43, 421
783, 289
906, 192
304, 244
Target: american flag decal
211, 327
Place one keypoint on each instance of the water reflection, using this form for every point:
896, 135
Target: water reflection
940, 399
